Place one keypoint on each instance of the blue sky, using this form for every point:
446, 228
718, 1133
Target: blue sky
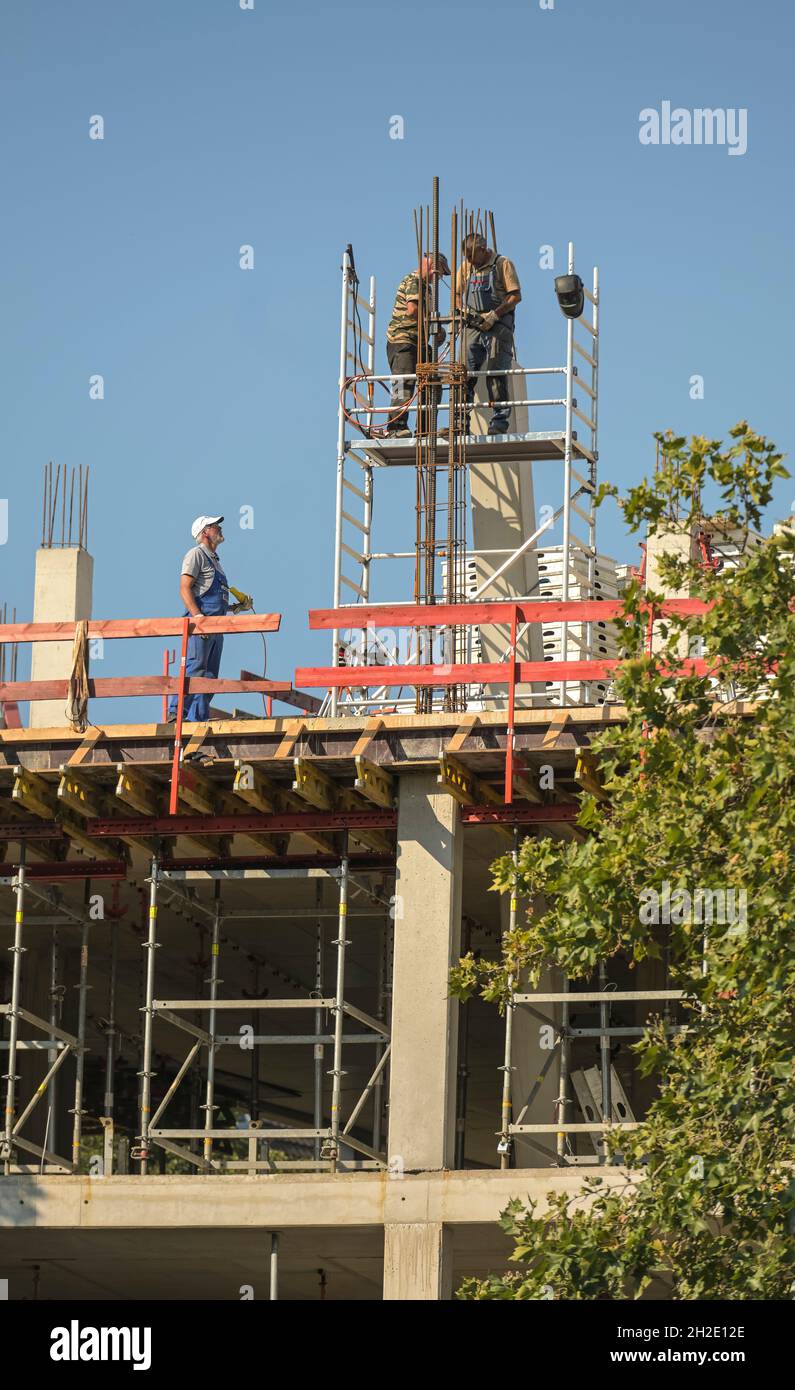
270, 127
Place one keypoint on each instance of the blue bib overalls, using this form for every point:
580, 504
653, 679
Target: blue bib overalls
204, 654
492, 350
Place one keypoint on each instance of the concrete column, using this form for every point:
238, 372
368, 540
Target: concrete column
503, 514
422, 1087
63, 592
417, 1261
681, 543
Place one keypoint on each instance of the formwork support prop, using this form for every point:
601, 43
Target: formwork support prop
150, 946
213, 981
16, 975
338, 1008
504, 1146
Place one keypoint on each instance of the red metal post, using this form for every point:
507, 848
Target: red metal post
183, 668
168, 657
511, 710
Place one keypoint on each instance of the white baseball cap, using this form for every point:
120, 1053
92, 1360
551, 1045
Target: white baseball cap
203, 521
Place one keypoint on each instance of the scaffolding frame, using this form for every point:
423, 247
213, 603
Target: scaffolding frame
605, 997
361, 455
57, 1042
329, 1139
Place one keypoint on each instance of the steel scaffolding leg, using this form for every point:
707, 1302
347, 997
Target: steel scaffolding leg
380, 1013
254, 1093
506, 1114
319, 1051
111, 1029
150, 946
562, 1103
567, 459
80, 1050
337, 1073
209, 1099
56, 996
604, 1054
16, 950
274, 1268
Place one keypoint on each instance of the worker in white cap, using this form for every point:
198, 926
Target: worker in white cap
205, 592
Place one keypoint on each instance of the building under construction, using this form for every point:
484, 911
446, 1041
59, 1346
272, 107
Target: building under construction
231, 1056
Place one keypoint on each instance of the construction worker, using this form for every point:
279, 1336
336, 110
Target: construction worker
488, 291
204, 590
402, 342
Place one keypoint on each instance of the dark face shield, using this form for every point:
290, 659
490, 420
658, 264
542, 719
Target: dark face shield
570, 292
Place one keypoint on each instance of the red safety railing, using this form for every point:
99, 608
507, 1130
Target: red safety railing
497, 613
180, 685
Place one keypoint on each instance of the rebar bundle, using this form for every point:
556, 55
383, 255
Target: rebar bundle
441, 525
74, 522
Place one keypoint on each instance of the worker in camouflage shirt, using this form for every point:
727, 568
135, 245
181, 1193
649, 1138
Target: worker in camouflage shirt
402, 342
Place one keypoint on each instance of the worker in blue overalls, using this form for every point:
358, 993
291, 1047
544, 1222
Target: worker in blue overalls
488, 292
205, 591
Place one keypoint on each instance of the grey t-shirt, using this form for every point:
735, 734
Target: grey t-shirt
201, 565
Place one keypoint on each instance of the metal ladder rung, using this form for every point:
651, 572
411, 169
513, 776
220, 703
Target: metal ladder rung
353, 488
357, 588
583, 353
581, 382
354, 554
585, 515
365, 337
586, 419
360, 525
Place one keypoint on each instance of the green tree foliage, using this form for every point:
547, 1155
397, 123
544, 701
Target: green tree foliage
700, 781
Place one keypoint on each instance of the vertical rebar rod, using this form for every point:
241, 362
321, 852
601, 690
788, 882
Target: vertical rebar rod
274, 1268
13, 1017
150, 946
604, 1057
52, 1091
80, 1050
567, 450
506, 1110
209, 1098
346, 272
341, 944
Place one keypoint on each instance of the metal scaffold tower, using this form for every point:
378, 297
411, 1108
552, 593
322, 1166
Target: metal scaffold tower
444, 553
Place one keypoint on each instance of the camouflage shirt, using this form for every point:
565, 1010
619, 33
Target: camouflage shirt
402, 325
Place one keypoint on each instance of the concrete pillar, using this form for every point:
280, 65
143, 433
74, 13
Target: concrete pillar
503, 515
417, 1261
679, 542
422, 1088
63, 593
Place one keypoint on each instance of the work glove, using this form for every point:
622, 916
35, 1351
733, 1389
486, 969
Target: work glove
487, 321
245, 602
